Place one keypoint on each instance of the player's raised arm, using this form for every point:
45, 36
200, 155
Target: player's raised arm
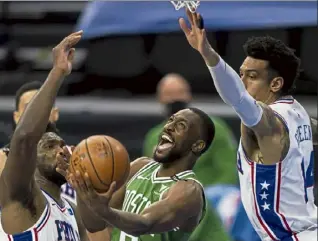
255, 115
17, 177
180, 208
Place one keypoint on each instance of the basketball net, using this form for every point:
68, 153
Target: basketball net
191, 5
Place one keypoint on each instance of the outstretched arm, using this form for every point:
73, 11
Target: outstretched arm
21, 161
258, 117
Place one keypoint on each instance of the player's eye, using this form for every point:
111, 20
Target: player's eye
181, 125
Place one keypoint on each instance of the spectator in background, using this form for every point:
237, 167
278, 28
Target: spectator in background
218, 164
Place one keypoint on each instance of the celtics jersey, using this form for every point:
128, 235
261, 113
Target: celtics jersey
144, 189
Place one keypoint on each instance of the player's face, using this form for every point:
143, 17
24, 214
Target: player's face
48, 148
179, 134
25, 100
256, 78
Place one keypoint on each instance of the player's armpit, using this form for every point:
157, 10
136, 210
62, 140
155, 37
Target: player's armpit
314, 127
182, 202
94, 223
272, 135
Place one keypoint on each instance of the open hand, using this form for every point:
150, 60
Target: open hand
63, 53
196, 34
63, 161
99, 203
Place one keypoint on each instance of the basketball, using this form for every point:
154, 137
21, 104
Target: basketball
105, 160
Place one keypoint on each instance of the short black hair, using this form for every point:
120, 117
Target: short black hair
280, 57
34, 85
207, 127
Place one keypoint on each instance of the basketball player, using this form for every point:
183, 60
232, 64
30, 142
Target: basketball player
23, 97
162, 199
275, 155
30, 200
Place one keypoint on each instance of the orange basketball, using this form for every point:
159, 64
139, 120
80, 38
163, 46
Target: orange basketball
105, 160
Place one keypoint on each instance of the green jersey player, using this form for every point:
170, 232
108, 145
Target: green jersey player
162, 201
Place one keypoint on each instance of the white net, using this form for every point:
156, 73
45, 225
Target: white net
191, 5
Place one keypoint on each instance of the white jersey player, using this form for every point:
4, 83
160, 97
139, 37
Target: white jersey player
275, 156
55, 223
32, 208
279, 198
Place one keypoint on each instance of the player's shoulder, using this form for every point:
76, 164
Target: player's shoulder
138, 164
189, 191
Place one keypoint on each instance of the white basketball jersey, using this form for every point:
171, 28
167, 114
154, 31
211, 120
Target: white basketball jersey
279, 198
68, 193
55, 224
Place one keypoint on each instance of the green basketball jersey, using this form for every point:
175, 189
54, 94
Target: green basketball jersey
144, 189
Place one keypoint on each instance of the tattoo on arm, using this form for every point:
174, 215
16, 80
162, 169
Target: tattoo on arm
269, 124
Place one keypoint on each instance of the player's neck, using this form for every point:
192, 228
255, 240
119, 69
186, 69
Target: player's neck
173, 168
51, 188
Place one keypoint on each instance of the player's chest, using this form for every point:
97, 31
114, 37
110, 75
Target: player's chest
63, 224
139, 197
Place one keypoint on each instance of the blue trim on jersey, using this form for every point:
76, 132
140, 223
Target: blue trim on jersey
44, 217
304, 178
265, 185
26, 236
282, 119
310, 180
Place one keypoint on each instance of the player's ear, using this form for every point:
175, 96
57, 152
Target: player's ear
198, 146
16, 116
55, 114
277, 84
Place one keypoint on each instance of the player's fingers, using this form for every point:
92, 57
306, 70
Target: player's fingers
80, 181
88, 182
190, 17
111, 189
71, 54
78, 33
199, 21
184, 26
63, 165
72, 181
67, 152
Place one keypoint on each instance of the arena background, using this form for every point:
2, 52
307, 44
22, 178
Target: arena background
123, 56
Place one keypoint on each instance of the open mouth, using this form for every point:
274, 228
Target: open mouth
165, 143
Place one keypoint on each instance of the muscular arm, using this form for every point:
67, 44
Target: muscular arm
22, 157
182, 202
94, 223
272, 137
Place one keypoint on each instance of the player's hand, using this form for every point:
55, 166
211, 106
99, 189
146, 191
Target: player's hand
63, 160
97, 202
196, 34
63, 53
196, 37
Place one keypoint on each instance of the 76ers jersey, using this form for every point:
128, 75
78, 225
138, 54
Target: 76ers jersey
55, 224
279, 198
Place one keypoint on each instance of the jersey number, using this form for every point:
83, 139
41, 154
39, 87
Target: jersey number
126, 237
308, 174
